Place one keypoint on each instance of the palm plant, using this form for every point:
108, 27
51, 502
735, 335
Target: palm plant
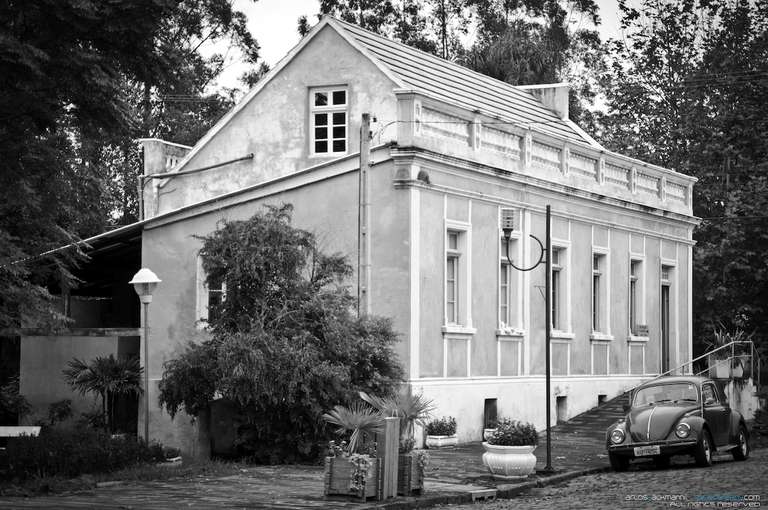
109, 378
410, 408
358, 420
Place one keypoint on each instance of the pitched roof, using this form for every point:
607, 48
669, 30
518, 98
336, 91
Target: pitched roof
412, 68
455, 84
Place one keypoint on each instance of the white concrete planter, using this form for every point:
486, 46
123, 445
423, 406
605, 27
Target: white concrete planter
509, 461
487, 433
442, 441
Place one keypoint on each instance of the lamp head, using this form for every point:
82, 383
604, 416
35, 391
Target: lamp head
144, 283
507, 222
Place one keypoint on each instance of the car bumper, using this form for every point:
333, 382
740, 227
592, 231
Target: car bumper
665, 448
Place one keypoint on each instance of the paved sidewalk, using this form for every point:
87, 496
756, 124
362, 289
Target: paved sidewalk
454, 475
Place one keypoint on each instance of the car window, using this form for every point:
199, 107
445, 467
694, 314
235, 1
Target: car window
708, 392
674, 392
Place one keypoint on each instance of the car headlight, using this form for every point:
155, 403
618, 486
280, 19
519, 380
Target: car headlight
682, 430
617, 436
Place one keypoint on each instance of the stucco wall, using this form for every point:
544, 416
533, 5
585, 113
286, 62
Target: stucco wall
274, 124
327, 208
45, 357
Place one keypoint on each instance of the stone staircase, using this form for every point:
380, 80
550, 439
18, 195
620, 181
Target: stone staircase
592, 424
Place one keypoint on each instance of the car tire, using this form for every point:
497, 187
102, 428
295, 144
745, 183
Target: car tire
741, 452
661, 462
703, 451
618, 462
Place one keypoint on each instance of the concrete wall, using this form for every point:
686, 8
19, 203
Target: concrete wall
43, 359
274, 124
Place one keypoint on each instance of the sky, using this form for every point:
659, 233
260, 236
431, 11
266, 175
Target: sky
273, 23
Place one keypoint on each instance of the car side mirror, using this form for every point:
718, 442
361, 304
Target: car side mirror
626, 407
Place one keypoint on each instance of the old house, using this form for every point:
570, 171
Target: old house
451, 154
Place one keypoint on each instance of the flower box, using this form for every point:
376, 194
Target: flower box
340, 477
410, 474
442, 441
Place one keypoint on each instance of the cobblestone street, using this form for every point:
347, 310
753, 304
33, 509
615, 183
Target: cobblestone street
681, 486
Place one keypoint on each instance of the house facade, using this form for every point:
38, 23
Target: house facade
448, 154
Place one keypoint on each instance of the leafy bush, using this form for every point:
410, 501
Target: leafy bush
59, 411
70, 453
285, 344
514, 433
13, 405
442, 427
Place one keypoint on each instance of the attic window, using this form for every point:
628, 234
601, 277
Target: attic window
328, 121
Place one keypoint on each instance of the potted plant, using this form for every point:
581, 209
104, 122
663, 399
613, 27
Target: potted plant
489, 429
723, 364
441, 432
411, 409
509, 450
351, 467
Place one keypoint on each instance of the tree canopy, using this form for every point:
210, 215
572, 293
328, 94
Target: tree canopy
79, 81
686, 92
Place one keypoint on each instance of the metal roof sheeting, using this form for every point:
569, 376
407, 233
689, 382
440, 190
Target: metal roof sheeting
455, 84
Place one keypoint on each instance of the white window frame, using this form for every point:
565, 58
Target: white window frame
453, 276
601, 294
329, 109
204, 294
462, 322
510, 321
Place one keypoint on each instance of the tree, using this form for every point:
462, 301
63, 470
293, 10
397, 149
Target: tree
433, 26
78, 82
284, 346
529, 42
109, 378
686, 92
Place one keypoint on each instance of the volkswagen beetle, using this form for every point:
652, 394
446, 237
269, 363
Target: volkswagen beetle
676, 415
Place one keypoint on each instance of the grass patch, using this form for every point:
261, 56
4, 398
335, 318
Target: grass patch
41, 486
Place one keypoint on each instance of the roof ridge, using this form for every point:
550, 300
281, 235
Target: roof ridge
451, 63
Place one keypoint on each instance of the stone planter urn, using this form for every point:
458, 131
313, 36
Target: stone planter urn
509, 462
442, 441
488, 433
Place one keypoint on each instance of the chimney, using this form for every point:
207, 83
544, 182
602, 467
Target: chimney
552, 95
158, 157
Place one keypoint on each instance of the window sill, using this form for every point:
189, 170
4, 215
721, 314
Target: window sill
327, 155
458, 331
596, 336
561, 335
514, 333
638, 339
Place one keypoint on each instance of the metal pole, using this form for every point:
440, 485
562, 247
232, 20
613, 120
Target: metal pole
146, 372
548, 318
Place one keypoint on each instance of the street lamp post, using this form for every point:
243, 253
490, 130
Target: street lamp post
144, 282
507, 226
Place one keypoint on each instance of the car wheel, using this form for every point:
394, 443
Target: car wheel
661, 462
703, 452
741, 452
618, 462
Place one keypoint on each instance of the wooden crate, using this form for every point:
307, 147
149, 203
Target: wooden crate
338, 479
410, 475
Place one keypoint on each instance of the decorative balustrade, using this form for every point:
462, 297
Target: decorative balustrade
496, 140
615, 174
440, 125
583, 165
514, 146
545, 156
